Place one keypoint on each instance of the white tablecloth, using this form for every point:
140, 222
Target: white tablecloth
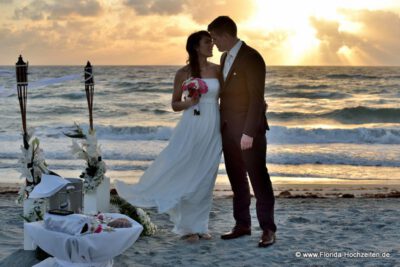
86, 250
48, 186
72, 224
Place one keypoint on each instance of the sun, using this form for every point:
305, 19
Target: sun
293, 19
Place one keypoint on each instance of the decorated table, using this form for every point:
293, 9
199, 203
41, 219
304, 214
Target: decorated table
75, 240
84, 250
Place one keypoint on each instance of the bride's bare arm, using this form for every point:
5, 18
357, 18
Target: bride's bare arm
177, 103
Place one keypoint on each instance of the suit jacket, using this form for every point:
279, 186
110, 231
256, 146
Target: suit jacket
242, 104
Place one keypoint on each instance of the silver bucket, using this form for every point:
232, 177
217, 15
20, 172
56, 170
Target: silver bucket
70, 197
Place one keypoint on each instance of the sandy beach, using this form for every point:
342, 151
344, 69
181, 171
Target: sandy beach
341, 229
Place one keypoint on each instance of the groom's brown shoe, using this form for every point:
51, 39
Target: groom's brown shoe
267, 239
236, 232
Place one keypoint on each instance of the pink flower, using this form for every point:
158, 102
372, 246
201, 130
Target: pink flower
98, 229
203, 88
100, 216
195, 87
195, 84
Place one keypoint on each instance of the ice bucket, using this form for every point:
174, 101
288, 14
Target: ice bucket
70, 197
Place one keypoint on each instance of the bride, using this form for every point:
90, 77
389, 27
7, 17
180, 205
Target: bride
181, 179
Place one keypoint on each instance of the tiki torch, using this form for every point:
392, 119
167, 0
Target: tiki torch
89, 88
21, 69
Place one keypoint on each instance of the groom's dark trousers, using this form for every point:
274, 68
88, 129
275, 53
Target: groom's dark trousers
242, 109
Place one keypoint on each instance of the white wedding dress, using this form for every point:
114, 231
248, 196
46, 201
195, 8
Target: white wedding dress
181, 179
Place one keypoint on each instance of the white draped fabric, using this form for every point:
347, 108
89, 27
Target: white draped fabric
72, 224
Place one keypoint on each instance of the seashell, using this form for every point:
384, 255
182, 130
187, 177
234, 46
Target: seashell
120, 223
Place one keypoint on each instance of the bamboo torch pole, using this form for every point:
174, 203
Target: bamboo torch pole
89, 88
21, 69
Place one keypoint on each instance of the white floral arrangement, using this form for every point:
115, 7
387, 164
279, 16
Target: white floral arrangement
32, 166
90, 151
144, 219
135, 213
35, 210
99, 223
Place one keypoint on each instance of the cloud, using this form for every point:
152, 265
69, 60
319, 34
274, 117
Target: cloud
380, 25
377, 42
109, 39
270, 44
205, 11
55, 36
33, 11
6, 1
268, 40
202, 12
54, 10
158, 7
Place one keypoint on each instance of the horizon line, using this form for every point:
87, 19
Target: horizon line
173, 65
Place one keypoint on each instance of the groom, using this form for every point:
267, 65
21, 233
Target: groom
243, 127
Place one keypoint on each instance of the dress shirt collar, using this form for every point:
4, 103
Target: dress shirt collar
235, 49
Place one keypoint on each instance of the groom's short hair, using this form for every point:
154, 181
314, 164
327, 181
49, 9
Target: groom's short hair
223, 24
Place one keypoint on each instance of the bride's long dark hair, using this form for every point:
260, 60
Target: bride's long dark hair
192, 44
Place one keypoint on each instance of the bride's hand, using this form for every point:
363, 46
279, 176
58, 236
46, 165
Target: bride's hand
192, 101
195, 100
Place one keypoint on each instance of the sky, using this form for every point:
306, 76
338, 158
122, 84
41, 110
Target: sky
154, 32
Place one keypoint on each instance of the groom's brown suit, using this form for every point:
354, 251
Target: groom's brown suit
242, 109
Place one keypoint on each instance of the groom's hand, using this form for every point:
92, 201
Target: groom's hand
246, 142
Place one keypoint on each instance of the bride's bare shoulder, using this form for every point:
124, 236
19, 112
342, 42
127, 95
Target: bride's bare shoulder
183, 72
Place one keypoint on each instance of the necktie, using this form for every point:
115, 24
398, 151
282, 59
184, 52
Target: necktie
227, 66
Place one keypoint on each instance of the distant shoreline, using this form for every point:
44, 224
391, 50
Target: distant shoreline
291, 190
316, 66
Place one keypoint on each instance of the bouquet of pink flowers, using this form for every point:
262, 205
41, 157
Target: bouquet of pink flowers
194, 88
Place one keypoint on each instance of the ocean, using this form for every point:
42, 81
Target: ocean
329, 125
